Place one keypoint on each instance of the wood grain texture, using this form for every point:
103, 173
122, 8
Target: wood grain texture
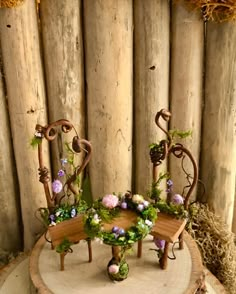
151, 83
63, 57
187, 52
10, 238
72, 230
218, 160
234, 214
167, 227
108, 59
27, 106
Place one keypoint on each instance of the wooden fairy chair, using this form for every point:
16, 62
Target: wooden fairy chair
71, 229
168, 227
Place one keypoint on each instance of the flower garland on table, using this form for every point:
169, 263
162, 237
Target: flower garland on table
109, 207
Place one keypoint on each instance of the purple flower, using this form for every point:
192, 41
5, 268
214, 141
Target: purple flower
115, 229
177, 199
56, 186
121, 232
110, 201
169, 183
52, 217
159, 243
124, 205
63, 161
73, 212
61, 173
140, 207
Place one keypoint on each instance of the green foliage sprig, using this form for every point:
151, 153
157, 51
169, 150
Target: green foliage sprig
64, 246
156, 191
176, 210
35, 141
180, 134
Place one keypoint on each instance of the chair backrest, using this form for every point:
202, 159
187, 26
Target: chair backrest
166, 148
50, 132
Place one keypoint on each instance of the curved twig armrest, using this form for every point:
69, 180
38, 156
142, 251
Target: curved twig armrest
167, 147
50, 132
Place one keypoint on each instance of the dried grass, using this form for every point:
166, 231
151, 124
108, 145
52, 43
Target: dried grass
215, 10
10, 3
216, 244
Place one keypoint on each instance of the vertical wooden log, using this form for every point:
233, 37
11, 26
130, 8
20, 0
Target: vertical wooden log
218, 158
151, 82
108, 52
10, 238
234, 214
26, 101
63, 57
186, 85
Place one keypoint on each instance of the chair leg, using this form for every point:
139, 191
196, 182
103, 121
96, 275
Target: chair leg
89, 250
140, 245
181, 240
62, 260
164, 258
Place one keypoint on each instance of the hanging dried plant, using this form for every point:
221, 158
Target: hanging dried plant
10, 3
214, 10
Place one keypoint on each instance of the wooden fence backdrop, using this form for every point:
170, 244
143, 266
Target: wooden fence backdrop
108, 66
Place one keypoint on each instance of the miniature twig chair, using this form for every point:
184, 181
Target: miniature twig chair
68, 228
168, 227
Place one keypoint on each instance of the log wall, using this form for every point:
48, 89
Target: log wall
26, 105
186, 87
109, 68
109, 75
151, 82
64, 69
218, 161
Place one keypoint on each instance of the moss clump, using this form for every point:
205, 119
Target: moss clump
216, 244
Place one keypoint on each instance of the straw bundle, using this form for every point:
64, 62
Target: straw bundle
215, 10
10, 3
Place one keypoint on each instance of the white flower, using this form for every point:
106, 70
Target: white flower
145, 203
58, 213
137, 198
148, 223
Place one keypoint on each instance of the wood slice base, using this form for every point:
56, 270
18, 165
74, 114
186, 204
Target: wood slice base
145, 274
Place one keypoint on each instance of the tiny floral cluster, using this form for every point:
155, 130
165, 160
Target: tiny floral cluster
176, 199
62, 213
57, 185
117, 271
174, 207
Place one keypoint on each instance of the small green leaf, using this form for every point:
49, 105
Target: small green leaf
35, 141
